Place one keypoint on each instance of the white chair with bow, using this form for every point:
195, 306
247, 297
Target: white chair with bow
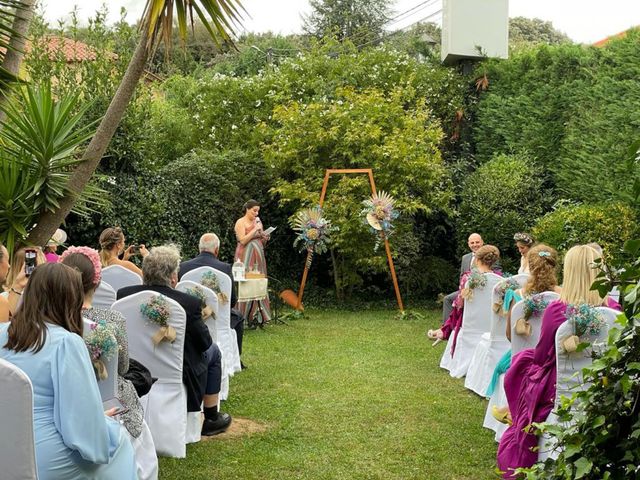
569, 365
493, 344
105, 296
476, 320
522, 337
17, 443
165, 406
211, 317
118, 277
226, 336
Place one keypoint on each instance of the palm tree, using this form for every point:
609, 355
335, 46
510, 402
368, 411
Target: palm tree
156, 24
15, 17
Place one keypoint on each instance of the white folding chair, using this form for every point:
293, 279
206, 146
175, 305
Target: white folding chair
109, 386
476, 320
105, 296
518, 343
492, 346
165, 406
569, 379
118, 277
227, 340
146, 458
215, 324
17, 443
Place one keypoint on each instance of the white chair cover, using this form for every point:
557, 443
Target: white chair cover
109, 386
492, 346
17, 443
105, 296
146, 458
118, 277
215, 324
569, 371
476, 320
518, 343
165, 406
226, 336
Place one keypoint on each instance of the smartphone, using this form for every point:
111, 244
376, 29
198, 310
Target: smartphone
29, 261
114, 403
136, 249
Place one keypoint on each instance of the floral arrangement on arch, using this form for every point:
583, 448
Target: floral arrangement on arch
198, 292
533, 305
508, 283
475, 280
210, 280
586, 320
156, 310
102, 345
379, 213
313, 231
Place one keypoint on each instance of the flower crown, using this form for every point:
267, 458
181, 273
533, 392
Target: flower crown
91, 254
523, 238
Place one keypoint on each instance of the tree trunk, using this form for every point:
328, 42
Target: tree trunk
50, 221
15, 52
336, 275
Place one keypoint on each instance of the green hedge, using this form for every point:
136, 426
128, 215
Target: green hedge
502, 197
609, 224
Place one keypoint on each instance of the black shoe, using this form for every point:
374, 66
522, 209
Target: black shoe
214, 427
243, 366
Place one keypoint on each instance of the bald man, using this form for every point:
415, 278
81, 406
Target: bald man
474, 242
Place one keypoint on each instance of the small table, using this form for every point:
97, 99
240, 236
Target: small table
253, 290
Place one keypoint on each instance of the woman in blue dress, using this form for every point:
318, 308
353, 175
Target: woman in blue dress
74, 439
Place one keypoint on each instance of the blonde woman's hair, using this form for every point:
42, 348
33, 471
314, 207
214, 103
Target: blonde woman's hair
543, 263
109, 238
488, 254
579, 274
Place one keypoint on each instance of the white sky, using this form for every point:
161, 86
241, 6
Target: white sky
584, 21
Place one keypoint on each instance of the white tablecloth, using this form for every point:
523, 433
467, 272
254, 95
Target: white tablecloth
252, 289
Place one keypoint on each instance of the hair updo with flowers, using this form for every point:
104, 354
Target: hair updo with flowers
87, 261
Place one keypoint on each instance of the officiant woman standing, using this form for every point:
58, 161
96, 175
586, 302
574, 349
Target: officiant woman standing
250, 251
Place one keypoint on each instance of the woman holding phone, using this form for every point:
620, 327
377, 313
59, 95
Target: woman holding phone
24, 261
112, 244
73, 437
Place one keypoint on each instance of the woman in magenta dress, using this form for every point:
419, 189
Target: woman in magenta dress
250, 250
530, 381
485, 260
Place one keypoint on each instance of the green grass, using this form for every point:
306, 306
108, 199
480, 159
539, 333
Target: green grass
346, 395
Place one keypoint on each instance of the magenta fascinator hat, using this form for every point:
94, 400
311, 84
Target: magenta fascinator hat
91, 254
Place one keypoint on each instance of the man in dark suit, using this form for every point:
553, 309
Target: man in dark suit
209, 247
202, 360
474, 242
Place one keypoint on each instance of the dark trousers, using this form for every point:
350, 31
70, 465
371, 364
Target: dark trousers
214, 369
237, 323
447, 305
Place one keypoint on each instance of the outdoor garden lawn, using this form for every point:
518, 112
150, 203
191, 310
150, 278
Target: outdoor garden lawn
346, 395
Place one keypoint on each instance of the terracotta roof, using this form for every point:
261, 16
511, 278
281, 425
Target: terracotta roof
604, 41
73, 51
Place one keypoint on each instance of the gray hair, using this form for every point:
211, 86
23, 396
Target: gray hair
209, 242
160, 264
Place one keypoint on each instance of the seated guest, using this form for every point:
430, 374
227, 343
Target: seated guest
4, 271
202, 360
474, 242
530, 381
51, 248
209, 247
112, 244
87, 261
542, 261
17, 279
486, 258
524, 242
73, 437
